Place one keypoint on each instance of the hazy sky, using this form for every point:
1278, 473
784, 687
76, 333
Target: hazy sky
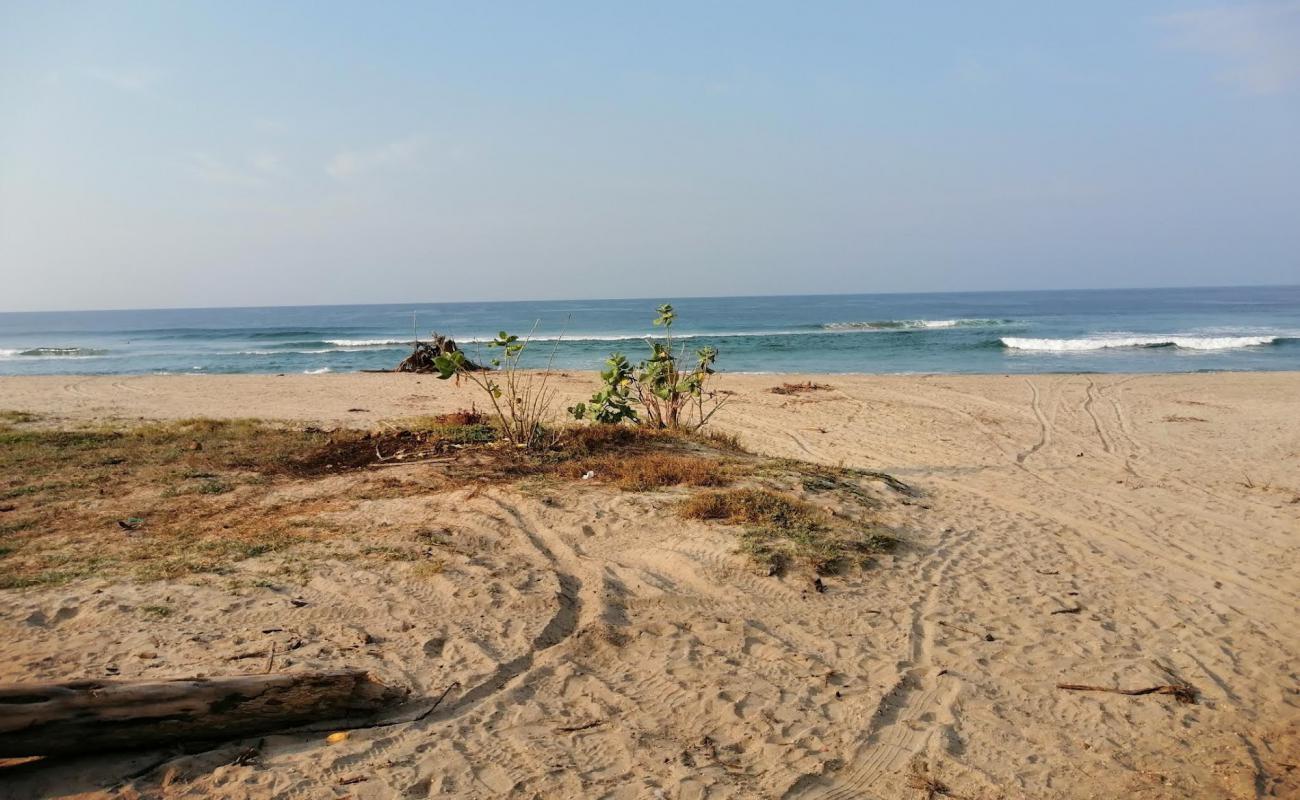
203, 154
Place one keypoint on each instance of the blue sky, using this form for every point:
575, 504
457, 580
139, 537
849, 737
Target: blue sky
204, 154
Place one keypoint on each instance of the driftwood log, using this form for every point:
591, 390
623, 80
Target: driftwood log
87, 716
421, 358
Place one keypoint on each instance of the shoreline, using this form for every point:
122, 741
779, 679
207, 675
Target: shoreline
333, 397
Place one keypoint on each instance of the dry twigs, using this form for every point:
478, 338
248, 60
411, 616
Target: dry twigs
1181, 690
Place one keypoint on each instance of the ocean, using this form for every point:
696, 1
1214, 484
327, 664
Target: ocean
1152, 330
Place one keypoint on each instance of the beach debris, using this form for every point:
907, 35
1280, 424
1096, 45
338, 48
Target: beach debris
919, 778
1071, 610
87, 716
353, 779
588, 475
357, 410
1181, 690
819, 586
988, 637
130, 523
575, 728
422, 356
336, 737
249, 755
800, 388
1183, 693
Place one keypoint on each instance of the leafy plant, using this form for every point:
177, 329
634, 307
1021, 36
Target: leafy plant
520, 398
611, 404
670, 396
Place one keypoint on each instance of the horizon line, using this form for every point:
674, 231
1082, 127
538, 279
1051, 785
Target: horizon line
648, 298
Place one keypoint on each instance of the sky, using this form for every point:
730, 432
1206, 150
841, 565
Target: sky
231, 154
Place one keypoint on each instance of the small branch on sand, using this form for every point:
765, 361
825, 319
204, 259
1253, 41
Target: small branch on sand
919, 778
1181, 690
988, 637
582, 727
1070, 610
437, 702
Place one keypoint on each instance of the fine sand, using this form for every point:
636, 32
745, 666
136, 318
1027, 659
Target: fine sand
1072, 529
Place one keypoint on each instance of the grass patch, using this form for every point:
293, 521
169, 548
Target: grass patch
643, 472
18, 417
781, 530
174, 483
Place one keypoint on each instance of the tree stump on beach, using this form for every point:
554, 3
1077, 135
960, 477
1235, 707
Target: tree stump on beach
421, 358
45, 719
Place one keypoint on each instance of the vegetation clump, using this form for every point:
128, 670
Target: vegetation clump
520, 398
800, 388
780, 530
670, 395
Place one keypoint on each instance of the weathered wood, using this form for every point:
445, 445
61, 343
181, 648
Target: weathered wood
423, 354
87, 716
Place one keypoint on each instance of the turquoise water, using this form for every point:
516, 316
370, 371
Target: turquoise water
1157, 330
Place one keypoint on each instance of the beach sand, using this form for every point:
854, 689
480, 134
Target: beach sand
1071, 529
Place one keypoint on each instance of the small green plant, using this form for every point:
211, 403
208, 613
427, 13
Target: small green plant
520, 399
670, 396
612, 403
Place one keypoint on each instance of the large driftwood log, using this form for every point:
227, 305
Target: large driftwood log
86, 716
421, 358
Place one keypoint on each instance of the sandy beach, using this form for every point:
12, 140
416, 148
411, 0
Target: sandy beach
1118, 531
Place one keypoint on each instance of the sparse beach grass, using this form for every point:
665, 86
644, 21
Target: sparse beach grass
160, 500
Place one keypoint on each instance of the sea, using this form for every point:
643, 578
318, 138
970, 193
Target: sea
1130, 330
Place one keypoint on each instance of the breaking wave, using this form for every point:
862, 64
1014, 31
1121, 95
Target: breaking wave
1087, 343
913, 324
363, 343
52, 352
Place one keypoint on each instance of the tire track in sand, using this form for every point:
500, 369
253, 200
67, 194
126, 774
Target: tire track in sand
1044, 427
560, 627
916, 708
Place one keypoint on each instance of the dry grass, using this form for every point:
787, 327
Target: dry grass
642, 472
165, 500
151, 501
800, 388
780, 530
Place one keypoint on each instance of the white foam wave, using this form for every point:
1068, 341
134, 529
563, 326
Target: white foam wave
320, 371
51, 352
1087, 343
367, 342
288, 352
911, 324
